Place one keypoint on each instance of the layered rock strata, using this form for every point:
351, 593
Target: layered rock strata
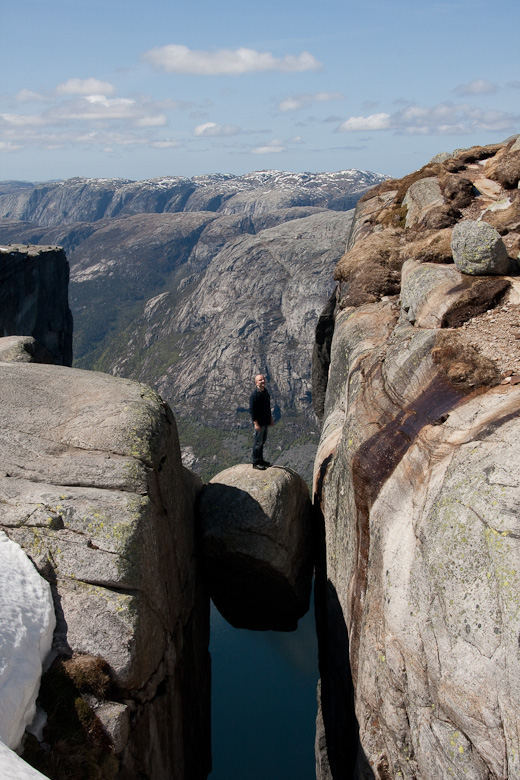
92, 488
256, 537
34, 297
418, 574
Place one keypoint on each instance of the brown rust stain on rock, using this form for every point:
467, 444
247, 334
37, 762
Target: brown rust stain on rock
374, 462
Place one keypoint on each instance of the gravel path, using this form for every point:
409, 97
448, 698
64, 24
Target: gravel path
496, 333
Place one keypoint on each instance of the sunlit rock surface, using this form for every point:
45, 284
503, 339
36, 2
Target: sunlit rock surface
418, 573
92, 488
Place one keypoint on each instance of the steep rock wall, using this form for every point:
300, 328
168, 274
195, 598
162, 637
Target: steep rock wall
92, 488
416, 476
34, 297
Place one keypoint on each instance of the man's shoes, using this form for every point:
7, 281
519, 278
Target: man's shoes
265, 463
259, 466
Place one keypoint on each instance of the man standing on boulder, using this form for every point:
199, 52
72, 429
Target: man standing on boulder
260, 411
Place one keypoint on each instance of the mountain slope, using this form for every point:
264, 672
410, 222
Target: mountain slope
194, 285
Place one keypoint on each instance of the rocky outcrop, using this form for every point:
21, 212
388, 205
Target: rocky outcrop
23, 349
436, 296
34, 297
92, 488
256, 537
416, 480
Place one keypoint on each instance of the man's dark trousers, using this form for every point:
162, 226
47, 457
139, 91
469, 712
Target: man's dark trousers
258, 445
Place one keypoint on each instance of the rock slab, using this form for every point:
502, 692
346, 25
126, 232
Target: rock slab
256, 537
92, 488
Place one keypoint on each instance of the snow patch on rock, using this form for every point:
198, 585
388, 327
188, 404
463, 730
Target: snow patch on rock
27, 624
12, 767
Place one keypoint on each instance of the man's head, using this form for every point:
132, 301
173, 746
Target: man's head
260, 381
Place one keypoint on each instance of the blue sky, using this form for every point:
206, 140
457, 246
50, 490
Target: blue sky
133, 89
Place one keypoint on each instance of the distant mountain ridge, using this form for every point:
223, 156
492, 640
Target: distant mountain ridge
89, 200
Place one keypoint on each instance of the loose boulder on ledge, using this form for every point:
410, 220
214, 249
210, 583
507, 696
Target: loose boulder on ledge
257, 541
478, 249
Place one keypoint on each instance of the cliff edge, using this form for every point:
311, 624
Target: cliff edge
416, 373
93, 489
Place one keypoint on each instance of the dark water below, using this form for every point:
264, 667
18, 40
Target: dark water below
263, 701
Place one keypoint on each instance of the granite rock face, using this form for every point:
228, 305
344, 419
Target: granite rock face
435, 295
417, 577
34, 297
256, 535
421, 197
92, 488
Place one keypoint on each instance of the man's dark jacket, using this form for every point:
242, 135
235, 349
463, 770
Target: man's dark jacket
260, 406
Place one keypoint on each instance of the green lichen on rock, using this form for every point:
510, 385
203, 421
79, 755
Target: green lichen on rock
145, 421
478, 249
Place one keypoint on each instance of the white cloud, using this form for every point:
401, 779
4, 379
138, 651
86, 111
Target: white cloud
28, 96
21, 120
370, 122
477, 87
99, 108
95, 107
152, 121
164, 144
212, 129
80, 114
75, 125
180, 59
111, 138
69, 122
7, 146
88, 86
273, 147
300, 101
443, 119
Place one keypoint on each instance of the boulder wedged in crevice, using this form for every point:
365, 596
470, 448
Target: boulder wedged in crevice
256, 536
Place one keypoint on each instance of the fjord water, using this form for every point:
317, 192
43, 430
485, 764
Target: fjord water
263, 701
